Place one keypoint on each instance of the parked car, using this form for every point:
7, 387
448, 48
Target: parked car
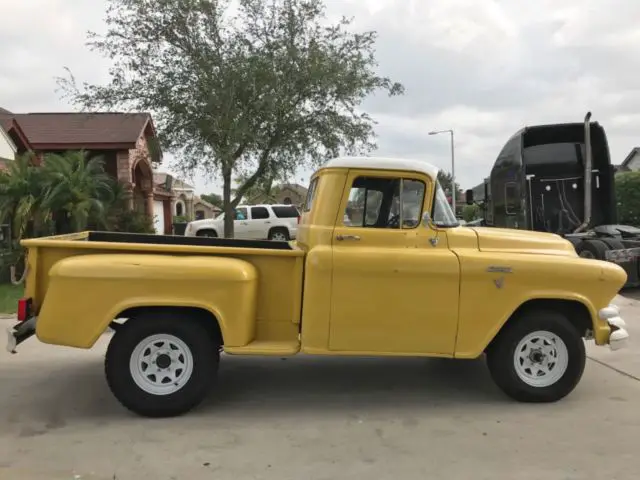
252, 222
382, 284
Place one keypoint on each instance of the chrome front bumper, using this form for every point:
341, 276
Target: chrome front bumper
19, 333
619, 337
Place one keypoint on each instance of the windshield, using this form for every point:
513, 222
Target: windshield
442, 214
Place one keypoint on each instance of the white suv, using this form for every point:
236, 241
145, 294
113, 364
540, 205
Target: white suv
252, 222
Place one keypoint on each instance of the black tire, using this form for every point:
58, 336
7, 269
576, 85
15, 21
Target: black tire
613, 243
593, 248
204, 354
280, 230
207, 233
501, 357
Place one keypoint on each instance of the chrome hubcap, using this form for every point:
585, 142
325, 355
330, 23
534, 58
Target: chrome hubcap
161, 364
541, 359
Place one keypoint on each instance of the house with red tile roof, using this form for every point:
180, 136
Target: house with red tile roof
126, 141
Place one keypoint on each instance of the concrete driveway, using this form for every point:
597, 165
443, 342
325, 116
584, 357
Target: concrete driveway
315, 418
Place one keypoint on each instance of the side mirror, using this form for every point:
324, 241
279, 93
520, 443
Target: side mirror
468, 197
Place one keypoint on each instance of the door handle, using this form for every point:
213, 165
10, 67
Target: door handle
267, 222
348, 237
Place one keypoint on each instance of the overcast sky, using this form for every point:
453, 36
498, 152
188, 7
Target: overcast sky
484, 68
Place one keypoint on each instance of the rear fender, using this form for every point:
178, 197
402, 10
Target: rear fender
86, 293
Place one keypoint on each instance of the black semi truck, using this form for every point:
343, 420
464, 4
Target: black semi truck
559, 179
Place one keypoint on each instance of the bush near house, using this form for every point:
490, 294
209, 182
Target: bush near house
68, 193
628, 198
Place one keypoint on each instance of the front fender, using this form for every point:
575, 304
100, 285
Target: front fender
492, 288
87, 292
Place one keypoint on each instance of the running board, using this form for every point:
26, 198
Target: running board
266, 347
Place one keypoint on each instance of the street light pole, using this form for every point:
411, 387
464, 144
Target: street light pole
453, 166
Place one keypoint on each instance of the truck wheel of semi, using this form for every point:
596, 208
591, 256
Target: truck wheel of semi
380, 267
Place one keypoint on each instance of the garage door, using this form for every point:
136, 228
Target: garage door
158, 213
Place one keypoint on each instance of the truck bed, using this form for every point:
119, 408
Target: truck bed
174, 269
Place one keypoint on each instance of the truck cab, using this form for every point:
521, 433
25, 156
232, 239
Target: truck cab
558, 178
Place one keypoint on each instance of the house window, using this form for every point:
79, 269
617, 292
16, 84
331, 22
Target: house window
199, 215
384, 203
287, 201
179, 209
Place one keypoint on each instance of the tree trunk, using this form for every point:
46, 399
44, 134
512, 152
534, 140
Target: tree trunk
227, 206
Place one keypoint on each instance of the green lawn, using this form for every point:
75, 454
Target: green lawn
9, 295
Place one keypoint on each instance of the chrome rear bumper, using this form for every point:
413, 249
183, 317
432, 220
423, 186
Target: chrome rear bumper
619, 337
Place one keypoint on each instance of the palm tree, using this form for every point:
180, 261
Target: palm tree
21, 197
77, 190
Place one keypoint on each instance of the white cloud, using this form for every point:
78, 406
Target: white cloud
482, 67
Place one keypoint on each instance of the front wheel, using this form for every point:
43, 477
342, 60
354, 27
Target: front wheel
539, 358
161, 365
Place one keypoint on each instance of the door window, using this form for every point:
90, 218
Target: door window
259, 213
376, 202
241, 214
511, 198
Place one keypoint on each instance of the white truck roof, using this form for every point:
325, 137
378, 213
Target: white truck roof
383, 163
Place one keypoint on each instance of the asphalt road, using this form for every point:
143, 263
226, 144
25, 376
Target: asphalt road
317, 419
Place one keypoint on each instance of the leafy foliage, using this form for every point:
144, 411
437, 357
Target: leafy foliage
213, 198
628, 198
255, 90
76, 191
446, 180
131, 221
471, 212
21, 197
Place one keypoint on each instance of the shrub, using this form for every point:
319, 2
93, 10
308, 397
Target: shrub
628, 198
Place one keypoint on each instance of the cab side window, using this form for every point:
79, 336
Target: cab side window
241, 214
511, 198
376, 202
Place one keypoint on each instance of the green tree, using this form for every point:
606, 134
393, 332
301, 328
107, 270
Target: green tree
77, 190
257, 89
213, 198
471, 212
628, 198
21, 197
446, 179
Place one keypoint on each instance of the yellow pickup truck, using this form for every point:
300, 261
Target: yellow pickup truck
381, 266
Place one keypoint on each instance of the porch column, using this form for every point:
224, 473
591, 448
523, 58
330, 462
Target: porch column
149, 204
128, 196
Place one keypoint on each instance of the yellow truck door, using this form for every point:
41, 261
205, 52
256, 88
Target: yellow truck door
392, 291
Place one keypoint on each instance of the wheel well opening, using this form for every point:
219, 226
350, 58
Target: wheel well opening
576, 312
200, 315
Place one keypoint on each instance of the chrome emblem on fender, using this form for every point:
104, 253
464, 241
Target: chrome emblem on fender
498, 269
499, 282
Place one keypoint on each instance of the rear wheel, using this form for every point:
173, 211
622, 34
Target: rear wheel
539, 358
207, 233
161, 364
279, 234
592, 249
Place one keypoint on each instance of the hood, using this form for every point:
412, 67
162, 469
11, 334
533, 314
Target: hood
508, 240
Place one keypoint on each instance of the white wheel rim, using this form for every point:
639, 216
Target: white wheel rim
541, 359
161, 364
279, 237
